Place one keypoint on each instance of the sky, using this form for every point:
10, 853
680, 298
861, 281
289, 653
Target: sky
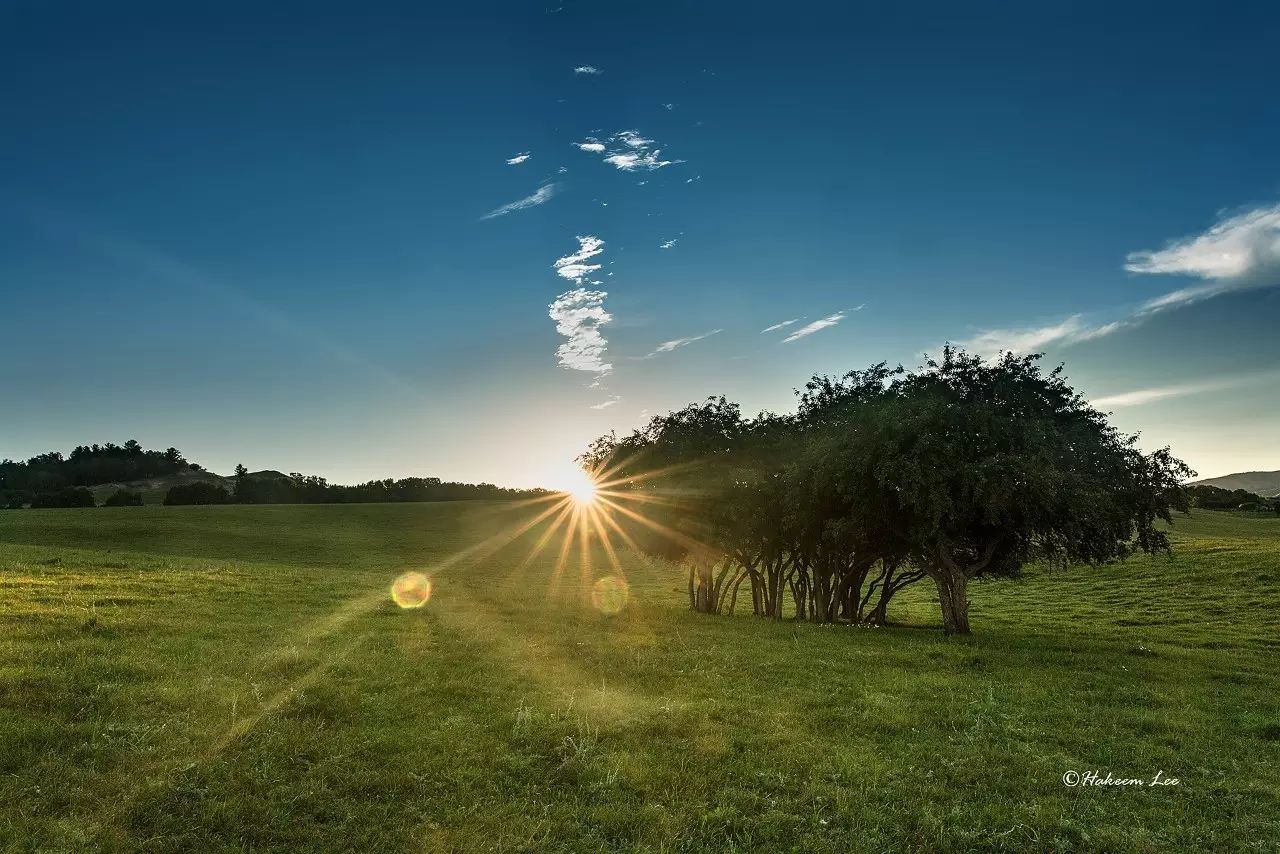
391, 239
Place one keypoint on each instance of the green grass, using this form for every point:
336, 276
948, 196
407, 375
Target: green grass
237, 678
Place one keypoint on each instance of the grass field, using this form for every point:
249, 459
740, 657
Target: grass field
237, 678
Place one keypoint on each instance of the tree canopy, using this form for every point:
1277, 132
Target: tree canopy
881, 478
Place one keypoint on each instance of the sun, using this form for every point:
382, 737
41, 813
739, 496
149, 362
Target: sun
581, 488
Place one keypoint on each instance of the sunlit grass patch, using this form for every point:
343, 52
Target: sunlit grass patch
267, 692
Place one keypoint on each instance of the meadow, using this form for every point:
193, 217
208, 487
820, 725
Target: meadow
238, 678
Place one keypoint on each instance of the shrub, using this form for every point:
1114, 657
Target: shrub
71, 496
123, 498
200, 492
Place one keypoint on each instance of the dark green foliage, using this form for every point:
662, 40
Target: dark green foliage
960, 469
297, 488
123, 498
71, 496
88, 465
1217, 498
200, 492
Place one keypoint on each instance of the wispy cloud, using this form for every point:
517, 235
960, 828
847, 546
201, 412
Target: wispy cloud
669, 244
1138, 397
587, 69
630, 161
628, 150
610, 402
543, 195
677, 343
815, 326
518, 159
781, 325
1237, 252
1072, 330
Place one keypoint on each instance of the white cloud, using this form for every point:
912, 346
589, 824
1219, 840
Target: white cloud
669, 244
606, 404
1237, 252
1140, 396
579, 314
630, 161
519, 158
633, 139
781, 325
543, 194
587, 69
574, 266
628, 150
677, 343
1072, 330
815, 326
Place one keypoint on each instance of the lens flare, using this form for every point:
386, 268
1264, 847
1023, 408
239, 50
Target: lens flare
411, 590
609, 595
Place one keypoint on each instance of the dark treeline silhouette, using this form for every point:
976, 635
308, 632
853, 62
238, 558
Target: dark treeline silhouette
52, 480
1216, 498
48, 480
296, 488
959, 470
89, 465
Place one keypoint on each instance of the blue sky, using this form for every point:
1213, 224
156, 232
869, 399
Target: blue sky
291, 236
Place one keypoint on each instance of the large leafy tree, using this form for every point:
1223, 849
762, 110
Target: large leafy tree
982, 466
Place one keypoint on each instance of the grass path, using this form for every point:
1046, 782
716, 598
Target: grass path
237, 678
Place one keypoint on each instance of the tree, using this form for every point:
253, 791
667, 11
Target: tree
981, 467
961, 469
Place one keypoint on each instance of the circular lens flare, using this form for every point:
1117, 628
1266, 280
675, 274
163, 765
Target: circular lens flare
609, 595
411, 590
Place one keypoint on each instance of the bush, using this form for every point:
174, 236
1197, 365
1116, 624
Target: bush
123, 498
200, 492
71, 496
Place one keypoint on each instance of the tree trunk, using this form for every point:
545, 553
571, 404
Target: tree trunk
952, 596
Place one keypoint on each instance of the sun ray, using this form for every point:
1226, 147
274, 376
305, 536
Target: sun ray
672, 533
597, 518
566, 509
564, 552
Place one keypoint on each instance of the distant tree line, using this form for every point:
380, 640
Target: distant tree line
1216, 498
296, 488
52, 480
959, 470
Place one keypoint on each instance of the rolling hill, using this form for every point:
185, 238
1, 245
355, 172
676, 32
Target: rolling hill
1264, 483
153, 489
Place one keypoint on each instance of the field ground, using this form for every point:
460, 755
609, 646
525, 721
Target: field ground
236, 678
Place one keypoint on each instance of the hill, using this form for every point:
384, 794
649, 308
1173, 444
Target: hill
153, 489
1264, 483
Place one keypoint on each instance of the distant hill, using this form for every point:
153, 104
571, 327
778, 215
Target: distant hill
153, 489
1264, 483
